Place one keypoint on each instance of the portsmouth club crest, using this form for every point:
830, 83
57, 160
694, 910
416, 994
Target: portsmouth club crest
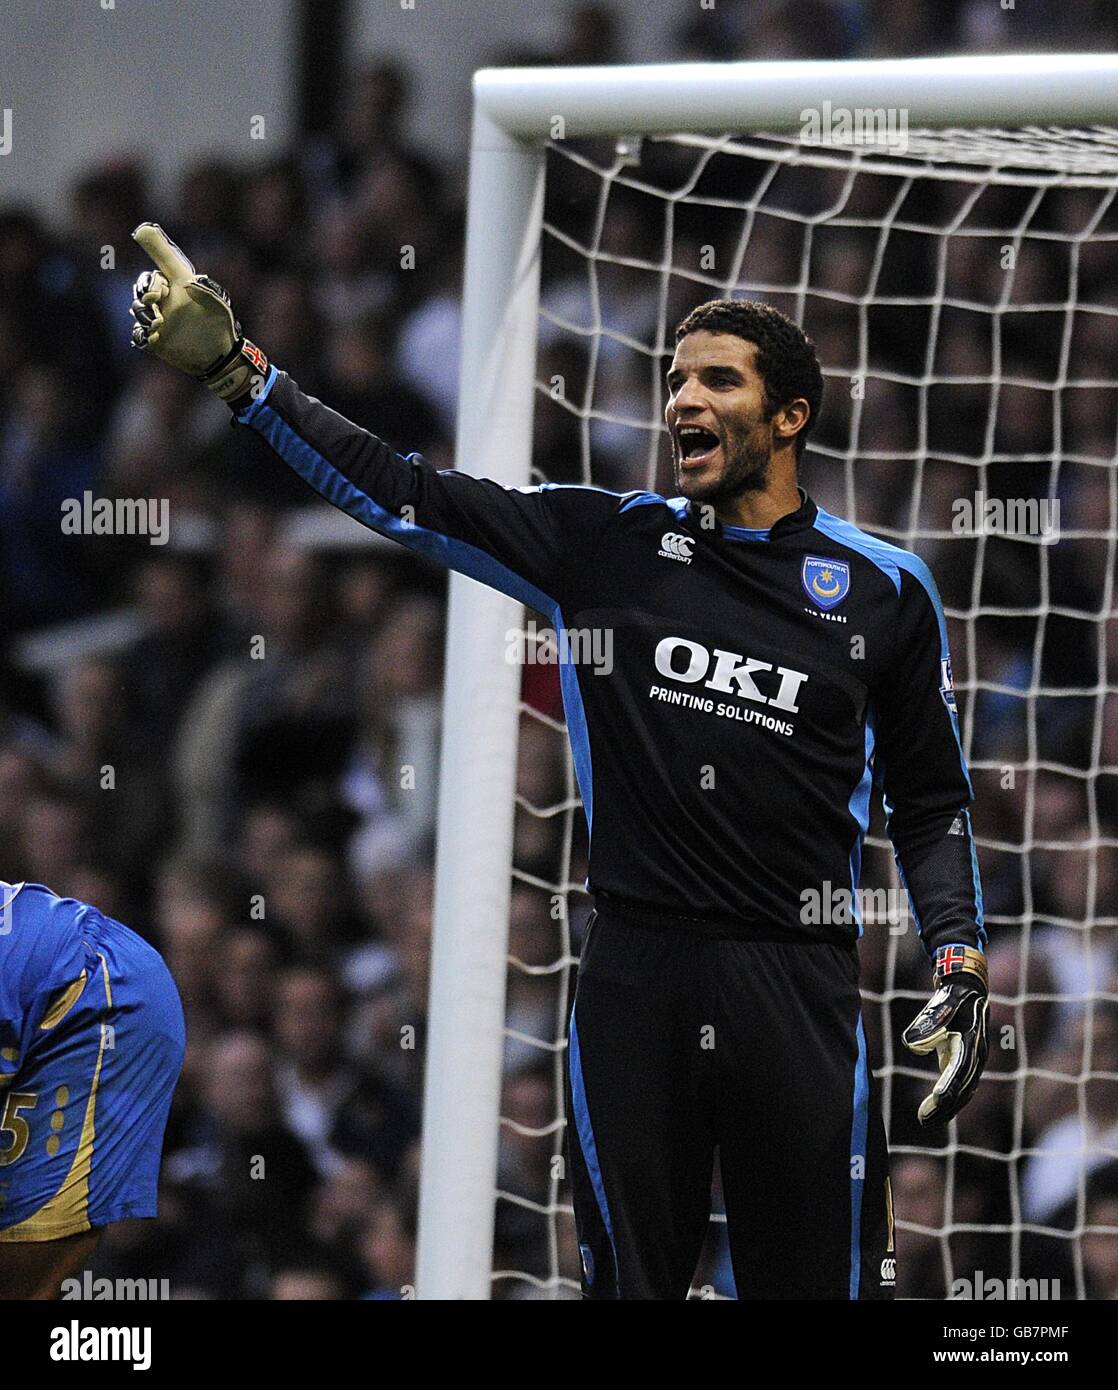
826, 582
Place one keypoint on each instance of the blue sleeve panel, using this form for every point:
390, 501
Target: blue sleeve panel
521, 541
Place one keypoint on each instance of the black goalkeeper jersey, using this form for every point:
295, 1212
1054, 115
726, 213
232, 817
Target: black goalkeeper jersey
752, 687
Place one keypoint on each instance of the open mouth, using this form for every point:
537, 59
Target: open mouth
697, 446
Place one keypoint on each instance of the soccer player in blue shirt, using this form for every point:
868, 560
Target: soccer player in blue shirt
91, 1045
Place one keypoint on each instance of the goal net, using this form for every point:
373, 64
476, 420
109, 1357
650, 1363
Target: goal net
961, 287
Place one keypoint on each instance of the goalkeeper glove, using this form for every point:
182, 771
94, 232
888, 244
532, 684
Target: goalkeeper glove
953, 1025
187, 320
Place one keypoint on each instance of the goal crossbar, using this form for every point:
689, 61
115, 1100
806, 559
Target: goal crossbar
661, 98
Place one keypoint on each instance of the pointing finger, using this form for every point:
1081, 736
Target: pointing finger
163, 251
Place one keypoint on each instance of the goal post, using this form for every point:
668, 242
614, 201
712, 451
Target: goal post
516, 112
477, 774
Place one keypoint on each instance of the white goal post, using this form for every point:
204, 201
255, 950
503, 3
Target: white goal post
516, 111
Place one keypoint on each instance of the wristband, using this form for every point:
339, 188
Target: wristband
959, 960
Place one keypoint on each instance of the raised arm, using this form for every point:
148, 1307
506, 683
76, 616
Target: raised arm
522, 541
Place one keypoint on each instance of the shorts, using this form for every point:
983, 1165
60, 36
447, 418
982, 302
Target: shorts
82, 1117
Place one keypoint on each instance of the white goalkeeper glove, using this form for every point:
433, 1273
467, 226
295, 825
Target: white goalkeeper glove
187, 320
952, 1024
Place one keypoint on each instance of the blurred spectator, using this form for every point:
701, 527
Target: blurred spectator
306, 1280
593, 35
387, 1247
393, 767
312, 1081
1100, 1247
273, 217
45, 575
364, 387
245, 1175
1071, 1148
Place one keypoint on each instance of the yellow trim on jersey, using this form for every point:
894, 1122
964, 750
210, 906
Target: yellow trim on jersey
67, 1212
64, 1001
889, 1215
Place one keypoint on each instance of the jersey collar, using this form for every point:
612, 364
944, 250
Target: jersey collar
802, 519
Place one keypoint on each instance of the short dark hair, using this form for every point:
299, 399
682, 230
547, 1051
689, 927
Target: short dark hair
786, 357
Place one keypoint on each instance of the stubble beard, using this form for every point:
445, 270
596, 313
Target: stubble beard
747, 470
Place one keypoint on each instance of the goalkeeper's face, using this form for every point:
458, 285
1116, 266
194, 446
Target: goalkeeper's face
722, 442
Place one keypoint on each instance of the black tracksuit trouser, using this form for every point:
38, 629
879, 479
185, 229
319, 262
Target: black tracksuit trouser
683, 1041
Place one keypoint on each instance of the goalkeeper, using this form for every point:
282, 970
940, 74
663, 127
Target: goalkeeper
772, 664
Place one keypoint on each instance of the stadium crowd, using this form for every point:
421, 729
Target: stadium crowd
230, 741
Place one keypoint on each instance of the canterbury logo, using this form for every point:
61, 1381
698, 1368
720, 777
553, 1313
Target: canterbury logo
676, 546
888, 1271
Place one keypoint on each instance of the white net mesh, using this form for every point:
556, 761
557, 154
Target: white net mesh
962, 295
